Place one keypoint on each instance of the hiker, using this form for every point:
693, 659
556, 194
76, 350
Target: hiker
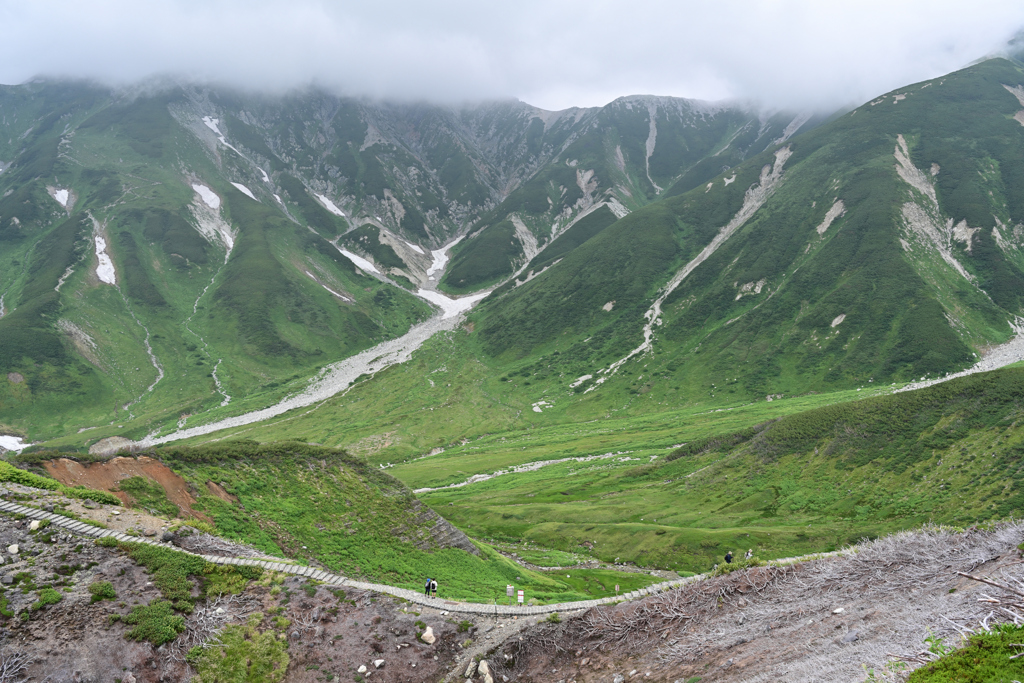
750, 554
728, 557
433, 587
426, 589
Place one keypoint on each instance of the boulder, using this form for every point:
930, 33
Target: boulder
362, 669
90, 504
619, 678
33, 525
428, 636
850, 637
7, 579
378, 663
49, 508
13, 549
485, 671
471, 669
167, 537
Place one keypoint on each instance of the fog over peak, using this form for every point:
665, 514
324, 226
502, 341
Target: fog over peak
781, 53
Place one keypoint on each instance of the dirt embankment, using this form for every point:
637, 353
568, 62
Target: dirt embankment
106, 476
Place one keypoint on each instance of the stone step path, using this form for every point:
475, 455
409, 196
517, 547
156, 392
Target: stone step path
335, 580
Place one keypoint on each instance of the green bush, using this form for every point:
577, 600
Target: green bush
156, 623
102, 590
47, 596
985, 659
242, 654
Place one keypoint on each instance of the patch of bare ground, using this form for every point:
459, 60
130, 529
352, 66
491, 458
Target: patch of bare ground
106, 476
330, 634
815, 621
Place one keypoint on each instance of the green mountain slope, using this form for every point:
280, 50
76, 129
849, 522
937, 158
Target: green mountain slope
129, 294
849, 254
811, 481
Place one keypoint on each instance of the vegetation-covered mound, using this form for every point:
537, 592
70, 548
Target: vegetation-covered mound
320, 504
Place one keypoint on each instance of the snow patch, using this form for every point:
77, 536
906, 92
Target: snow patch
208, 196
330, 205
316, 280
441, 257
838, 319
245, 190
450, 307
266, 178
729, 180
539, 406
12, 443
212, 124
359, 261
62, 197
837, 210
105, 268
608, 306
209, 224
415, 247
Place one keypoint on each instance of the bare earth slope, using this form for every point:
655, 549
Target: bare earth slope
817, 621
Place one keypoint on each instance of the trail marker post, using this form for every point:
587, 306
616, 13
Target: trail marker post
509, 590
521, 594
616, 590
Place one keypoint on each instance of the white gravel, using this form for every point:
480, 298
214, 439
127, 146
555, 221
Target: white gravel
997, 357
333, 380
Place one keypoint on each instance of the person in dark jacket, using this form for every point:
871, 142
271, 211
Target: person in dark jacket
728, 557
426, 589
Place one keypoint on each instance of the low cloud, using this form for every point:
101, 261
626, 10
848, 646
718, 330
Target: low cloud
552, 54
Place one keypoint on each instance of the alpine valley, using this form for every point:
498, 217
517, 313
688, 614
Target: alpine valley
642, 333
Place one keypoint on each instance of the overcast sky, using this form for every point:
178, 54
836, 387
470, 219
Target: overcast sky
550, 53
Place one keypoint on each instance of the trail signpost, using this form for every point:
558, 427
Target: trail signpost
520, 600
509, 591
